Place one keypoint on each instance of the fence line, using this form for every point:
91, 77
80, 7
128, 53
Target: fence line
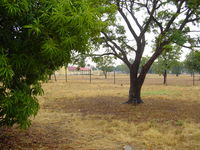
123, 79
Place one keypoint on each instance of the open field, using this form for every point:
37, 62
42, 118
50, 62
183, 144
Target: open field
78, 115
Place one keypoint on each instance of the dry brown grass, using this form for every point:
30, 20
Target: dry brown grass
82, 116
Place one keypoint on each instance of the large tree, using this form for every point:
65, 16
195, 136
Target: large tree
36, 37
166, 21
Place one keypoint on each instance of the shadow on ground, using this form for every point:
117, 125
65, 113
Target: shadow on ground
45, 134
153, 109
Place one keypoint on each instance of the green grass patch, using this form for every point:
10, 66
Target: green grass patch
159, 92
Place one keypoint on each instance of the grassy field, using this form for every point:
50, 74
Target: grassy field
78, 115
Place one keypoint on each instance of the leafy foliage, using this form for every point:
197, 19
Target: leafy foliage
169, 22
167, 59
192, 61
122, 68
177, 68
36, 37
105, 64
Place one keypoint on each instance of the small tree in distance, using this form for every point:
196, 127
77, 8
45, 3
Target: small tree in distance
105, 64
177, 68
166, 60
192, 62
122, 68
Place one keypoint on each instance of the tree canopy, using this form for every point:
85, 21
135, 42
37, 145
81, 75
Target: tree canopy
37, 37
105, 64
192, 62
166, 60
167, 21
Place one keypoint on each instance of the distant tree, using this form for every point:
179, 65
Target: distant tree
79, 60
36, 38
122, 68
177, 68
169, 21
192, 62
105, 64
167, 59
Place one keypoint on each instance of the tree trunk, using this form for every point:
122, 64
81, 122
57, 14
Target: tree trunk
199, 76
55, 77
165, 77
193, 79
134, 90
49, 76
105, 74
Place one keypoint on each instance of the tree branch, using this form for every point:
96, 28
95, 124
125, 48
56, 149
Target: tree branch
188, 15
130, 10
115, 45
155, 55
154, 19
129, 47
146, 26
125, 60
100, 55
189, 47
127, 22
174, 16
195, 19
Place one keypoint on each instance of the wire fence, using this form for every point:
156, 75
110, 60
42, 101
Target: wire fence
123, 79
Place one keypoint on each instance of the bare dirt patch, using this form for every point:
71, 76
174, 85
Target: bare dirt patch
153, 109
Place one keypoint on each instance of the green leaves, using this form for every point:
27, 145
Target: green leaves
6, 72
34, 28
104, 63
167, 59
49, 49
37, 37
36, 89
192, 61
194, 4
178, 37
18, 107
14, 7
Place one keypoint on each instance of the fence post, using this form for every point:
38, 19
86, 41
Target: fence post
193, 79
114, 76
66, 73
90, 76
55, 76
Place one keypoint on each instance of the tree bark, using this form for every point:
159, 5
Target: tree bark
55, 77
105, 74
134, 90
193, 79
165, 77
49, 76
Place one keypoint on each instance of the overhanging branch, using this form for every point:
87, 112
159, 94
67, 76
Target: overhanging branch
116, 46
127, 22
151, 13
100, 55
